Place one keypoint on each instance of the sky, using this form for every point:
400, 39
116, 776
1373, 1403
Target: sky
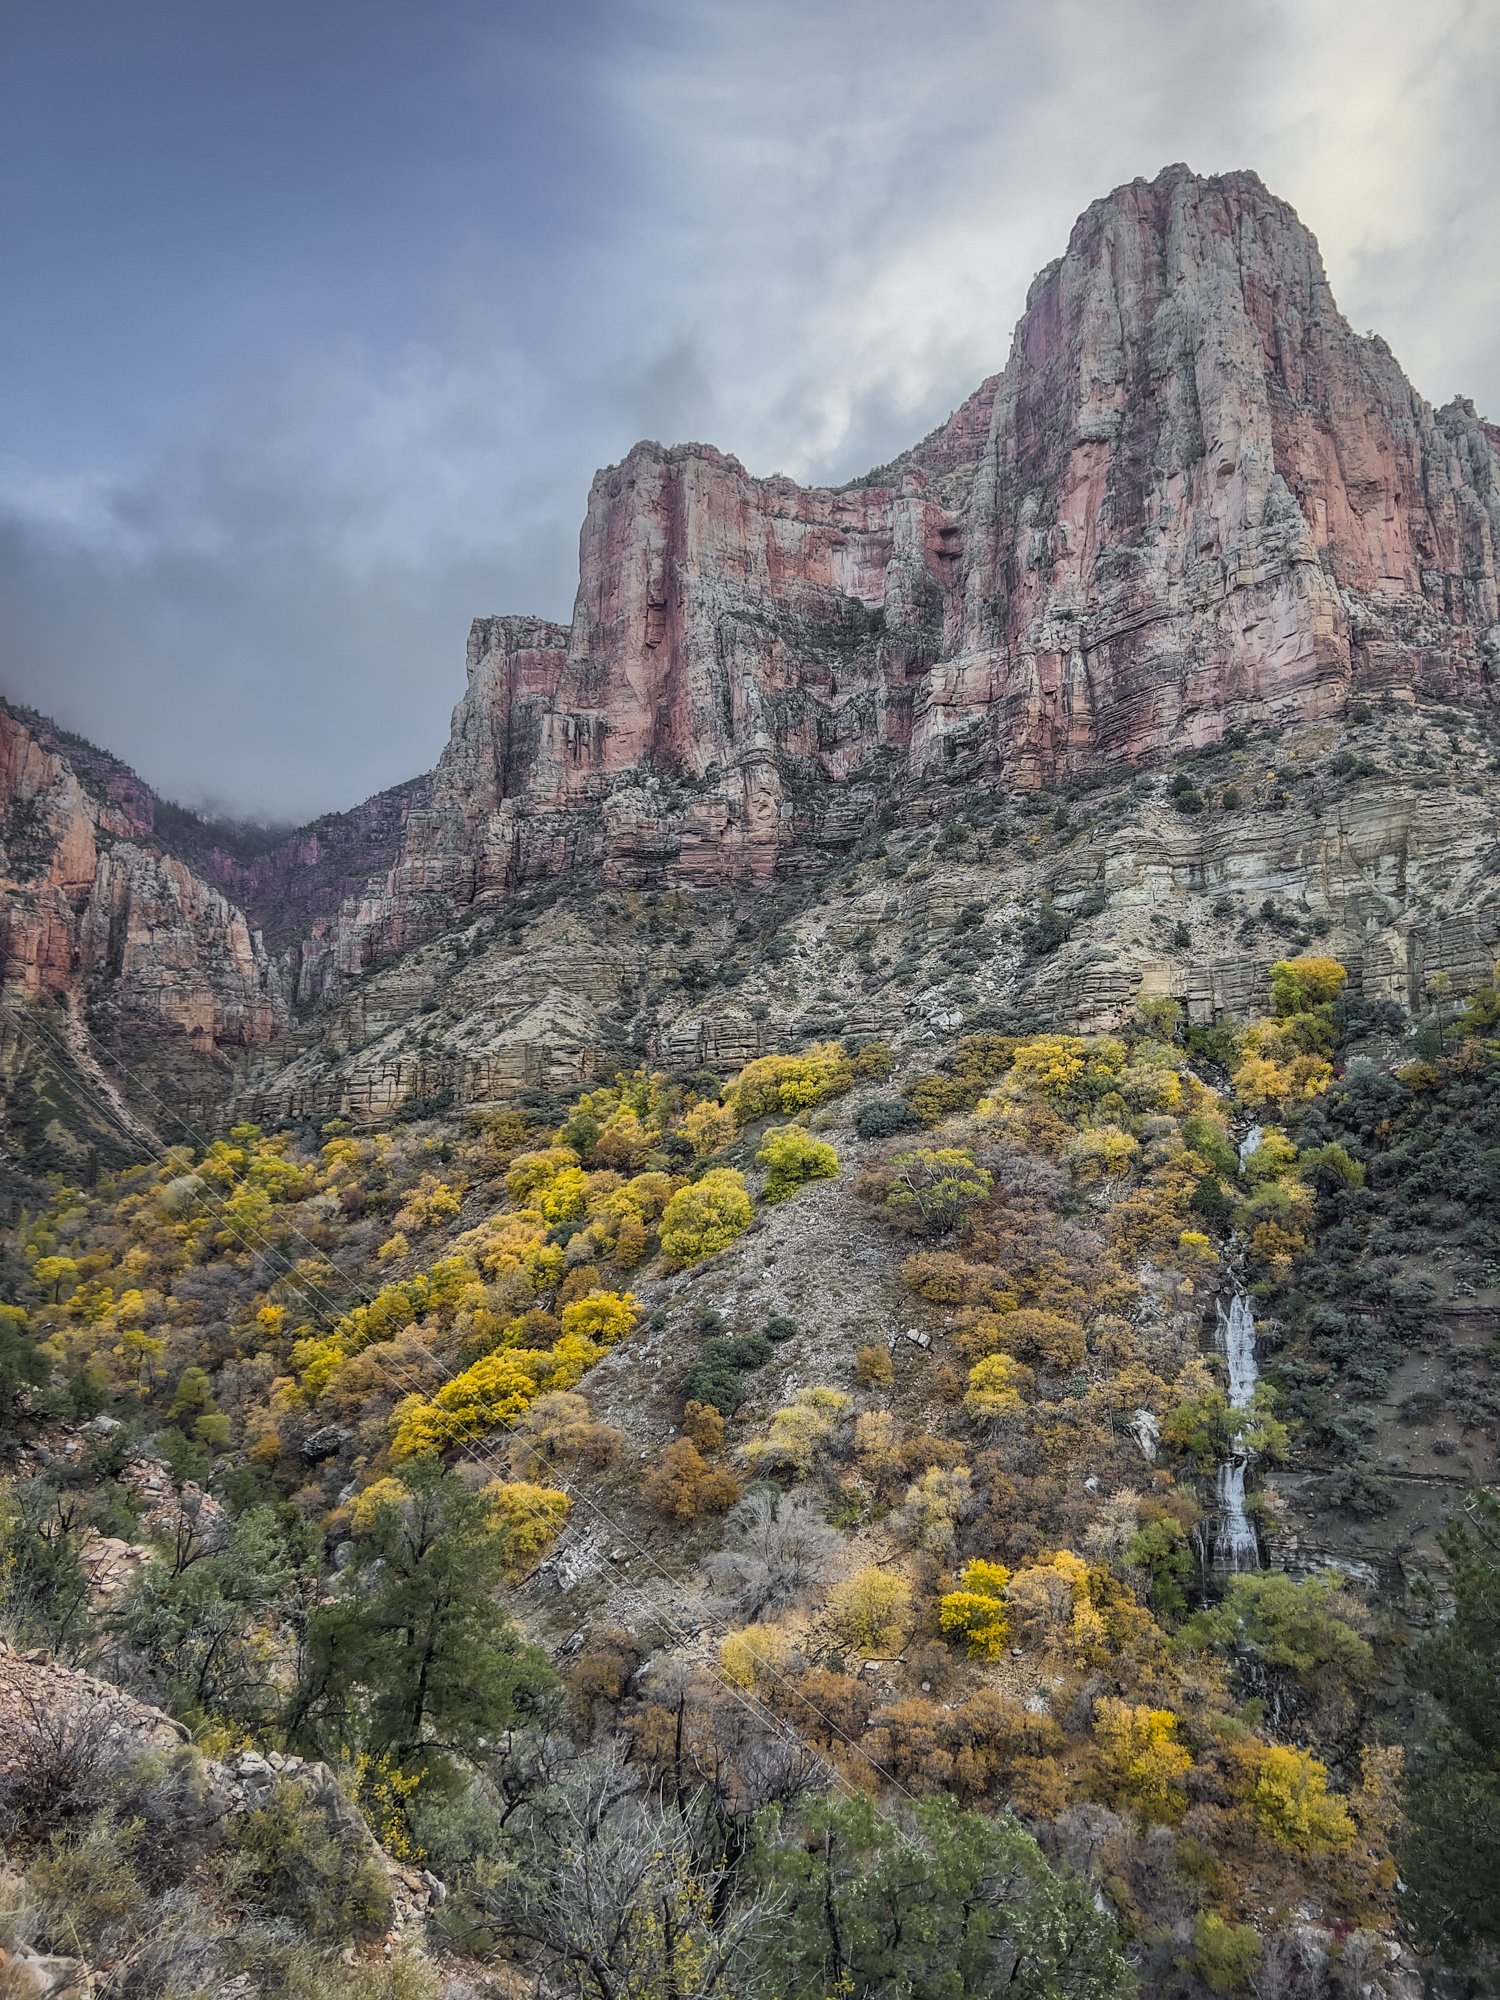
318, 319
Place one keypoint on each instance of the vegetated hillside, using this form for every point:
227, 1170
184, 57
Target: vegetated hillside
747, 1534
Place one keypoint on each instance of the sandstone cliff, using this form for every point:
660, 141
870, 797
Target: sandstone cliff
95, 910
130, 930
1193, 502
1194, 498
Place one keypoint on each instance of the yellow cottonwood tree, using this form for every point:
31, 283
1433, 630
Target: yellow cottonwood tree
706, 1216
530, 1517
994, 1391
1286, 1790
975, 1610
1143, 1756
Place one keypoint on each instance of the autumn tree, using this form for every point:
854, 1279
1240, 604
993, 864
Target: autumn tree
869, 1610
791, 1157
789, 1083
974, 1610
996, 1389
799, 1431
705, 1217
1143, 1756
528, 1518
683, 1486
1286, 1791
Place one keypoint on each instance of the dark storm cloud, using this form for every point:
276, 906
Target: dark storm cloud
320, 319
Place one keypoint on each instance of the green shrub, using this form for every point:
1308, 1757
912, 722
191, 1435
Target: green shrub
715, 1376
883, 1117
290, 1859
85, 1888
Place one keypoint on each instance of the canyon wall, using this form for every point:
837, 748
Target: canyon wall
1193, 499
96, 916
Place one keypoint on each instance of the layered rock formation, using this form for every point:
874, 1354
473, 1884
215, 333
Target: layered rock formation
142, 937
92, 909
1193, 499
1379, 839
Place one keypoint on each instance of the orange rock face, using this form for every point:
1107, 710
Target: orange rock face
1193, 499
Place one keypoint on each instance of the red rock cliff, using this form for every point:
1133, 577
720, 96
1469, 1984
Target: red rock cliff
1193, 498
93, 911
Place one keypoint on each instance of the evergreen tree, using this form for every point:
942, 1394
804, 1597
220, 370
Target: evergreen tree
1451, 1856
946, 1906
414, 1661
23, 1367
198, 1628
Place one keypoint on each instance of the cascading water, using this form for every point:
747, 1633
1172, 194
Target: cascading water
1249, 1143
1235, 1546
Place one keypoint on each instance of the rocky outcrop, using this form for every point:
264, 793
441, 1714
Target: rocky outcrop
62, 1729
1379, 840
135, 933
94, 911
1194, 498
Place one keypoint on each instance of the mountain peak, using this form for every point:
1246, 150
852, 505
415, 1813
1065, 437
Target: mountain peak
1192, 502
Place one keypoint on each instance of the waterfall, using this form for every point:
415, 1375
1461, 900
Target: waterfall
1235, 1547
1249, 1143
1237, 1339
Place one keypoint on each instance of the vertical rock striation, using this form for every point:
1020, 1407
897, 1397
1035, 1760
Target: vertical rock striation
1194, 498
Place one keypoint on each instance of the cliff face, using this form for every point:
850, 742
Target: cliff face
93, 910
1194, 498
1204, 500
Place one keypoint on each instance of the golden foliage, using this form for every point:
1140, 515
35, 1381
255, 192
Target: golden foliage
1143, 1757
870, 1611
529, 1517
975, 1610
799, 1431
684, 1487
995, 1391
789, 1083
755, 1655
705, 1217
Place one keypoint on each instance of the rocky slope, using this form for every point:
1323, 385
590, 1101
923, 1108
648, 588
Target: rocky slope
1378, 839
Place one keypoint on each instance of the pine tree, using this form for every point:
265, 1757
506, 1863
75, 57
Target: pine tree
1451, 1854
415, 1662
